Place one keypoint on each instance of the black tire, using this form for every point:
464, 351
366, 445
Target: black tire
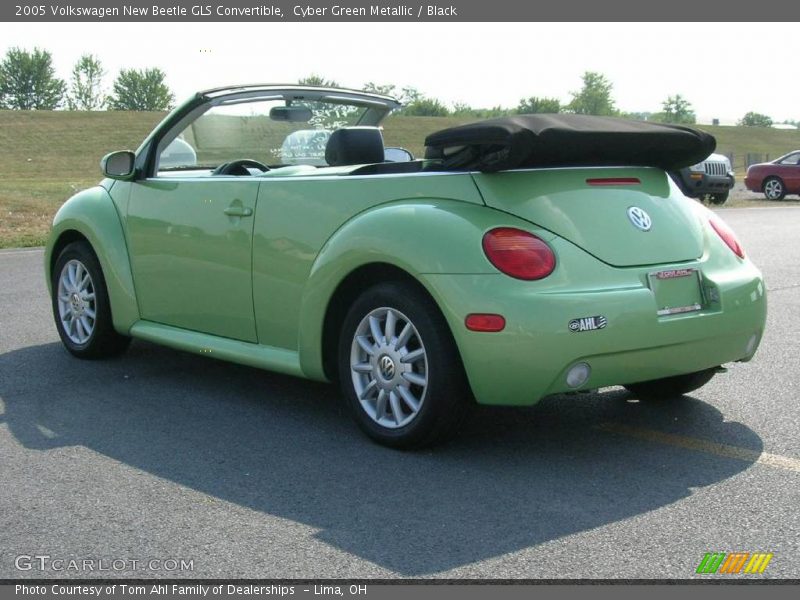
103, 341
446, 399
718, 199
670, 387
777, 188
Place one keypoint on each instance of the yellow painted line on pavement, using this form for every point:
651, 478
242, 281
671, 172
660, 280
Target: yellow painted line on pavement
681, 441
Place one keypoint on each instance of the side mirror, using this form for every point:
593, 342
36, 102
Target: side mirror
392, 154
118, 165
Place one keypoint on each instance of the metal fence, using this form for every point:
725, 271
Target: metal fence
745, 159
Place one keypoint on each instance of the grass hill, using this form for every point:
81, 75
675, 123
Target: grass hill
45, 156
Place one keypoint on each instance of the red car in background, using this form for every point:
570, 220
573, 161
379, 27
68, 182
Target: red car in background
776, 178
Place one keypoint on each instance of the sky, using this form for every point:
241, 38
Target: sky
481, 64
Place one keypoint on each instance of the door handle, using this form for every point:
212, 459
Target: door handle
238, 211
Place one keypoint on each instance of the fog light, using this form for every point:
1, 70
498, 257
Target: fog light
578, 375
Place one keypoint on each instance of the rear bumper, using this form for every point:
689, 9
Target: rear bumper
531, 357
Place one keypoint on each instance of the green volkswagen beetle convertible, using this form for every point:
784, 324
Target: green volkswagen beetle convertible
521, 257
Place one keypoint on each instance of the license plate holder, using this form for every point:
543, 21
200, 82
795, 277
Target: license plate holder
677, 291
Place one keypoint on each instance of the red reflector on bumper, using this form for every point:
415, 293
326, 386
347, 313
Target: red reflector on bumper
485, 323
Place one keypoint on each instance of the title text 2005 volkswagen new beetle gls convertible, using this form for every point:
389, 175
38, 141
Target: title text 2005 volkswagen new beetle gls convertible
522, 257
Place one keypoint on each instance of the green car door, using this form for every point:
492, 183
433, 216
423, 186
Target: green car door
191, 246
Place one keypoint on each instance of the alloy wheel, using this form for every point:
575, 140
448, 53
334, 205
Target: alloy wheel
389, 367
773, 189
77, 308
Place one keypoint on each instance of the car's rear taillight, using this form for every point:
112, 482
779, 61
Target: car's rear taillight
727, 235
518, 253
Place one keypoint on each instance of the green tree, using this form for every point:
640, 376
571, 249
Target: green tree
318, 81
677, 109
85, 91
385, 89
754, 119
140, 90
409, 94
28, 81
534, 105
594, 98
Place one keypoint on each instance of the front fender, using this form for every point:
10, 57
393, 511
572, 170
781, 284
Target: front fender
421, 237
92, 214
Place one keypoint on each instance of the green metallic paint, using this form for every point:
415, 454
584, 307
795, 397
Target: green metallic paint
244, 353
305, 224
256, 289
92, 214
191, 261
529, 359
595, 217
419, 237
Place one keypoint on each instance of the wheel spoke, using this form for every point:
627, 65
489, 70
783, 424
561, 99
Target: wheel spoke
90, 313
362, 367
391, 321
86, 327
404, 336
365, 345
380, 405
79, 273
88, 297
79, 331
408, 398
413, 356
397, 411
71, 268
369, 389
415, 378
375, 328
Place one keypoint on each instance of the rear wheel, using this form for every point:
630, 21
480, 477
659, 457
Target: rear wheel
399, 368
774, 188
670, 387
81, 307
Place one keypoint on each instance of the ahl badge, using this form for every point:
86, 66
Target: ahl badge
587, 323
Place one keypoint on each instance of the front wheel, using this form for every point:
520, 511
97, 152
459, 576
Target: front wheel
774, 188
399, 368
81, 307
670, 387
719, 198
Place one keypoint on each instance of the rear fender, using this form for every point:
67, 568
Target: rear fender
421, 237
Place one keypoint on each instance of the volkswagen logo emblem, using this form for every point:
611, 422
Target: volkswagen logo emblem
386, 366
639, 218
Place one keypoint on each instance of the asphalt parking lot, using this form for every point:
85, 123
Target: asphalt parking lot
161, 455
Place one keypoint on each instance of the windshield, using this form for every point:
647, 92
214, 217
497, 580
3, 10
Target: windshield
273, 131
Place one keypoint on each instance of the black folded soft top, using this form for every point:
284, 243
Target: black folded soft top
565, 140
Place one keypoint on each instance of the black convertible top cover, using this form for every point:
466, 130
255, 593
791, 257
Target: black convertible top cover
566, 140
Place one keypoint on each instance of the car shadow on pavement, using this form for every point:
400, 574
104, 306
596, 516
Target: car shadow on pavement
515, 478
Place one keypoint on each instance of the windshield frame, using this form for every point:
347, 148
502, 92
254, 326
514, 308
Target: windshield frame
377, 108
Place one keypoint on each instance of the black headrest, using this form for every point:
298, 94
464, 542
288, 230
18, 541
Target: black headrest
354, 146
